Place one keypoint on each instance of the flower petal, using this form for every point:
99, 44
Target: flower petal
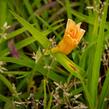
72, 37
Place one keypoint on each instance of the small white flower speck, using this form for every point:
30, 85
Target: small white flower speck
6, 26
89, 7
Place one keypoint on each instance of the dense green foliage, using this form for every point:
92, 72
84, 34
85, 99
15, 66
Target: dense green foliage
31, 76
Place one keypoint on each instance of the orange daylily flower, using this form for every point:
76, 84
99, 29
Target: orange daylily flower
71, 39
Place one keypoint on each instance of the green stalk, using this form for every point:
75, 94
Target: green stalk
45, 95
50, 101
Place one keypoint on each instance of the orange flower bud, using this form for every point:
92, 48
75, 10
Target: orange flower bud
72, 37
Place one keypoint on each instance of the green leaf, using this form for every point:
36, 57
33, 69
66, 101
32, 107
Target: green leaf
98, 55
104, 92
9, 85
35, 32
9, 105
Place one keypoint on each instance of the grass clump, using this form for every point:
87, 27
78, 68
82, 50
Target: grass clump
33, 77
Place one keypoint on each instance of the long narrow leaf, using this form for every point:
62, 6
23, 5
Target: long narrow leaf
36, 33
98, 54
75, 71
104, 92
